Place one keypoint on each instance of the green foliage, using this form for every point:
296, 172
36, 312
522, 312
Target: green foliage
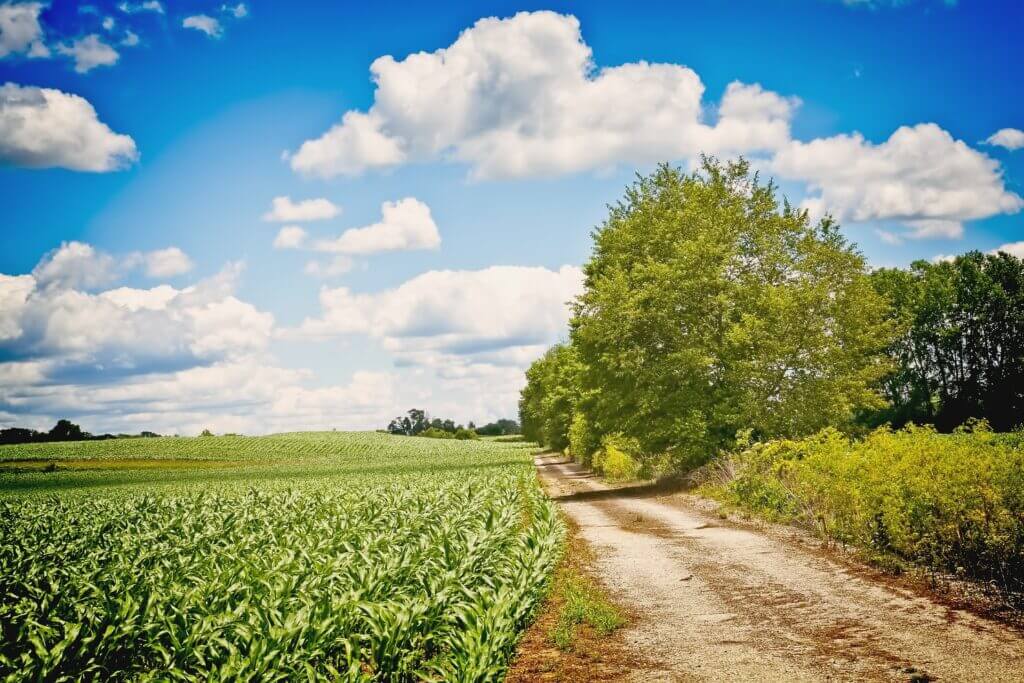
709, 307
550, 397
960, 352
323, 556
584, 604
952, 502
435, 433
584, 441
617, 458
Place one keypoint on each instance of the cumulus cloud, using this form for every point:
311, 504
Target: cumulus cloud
204, 23
1010, 138
921, 177
284, 210
89, 52
405, 225
521, 97
20, 30
124, 330
489, 313
76, 265
290, 237
231, 396
43, 127
167, 262
136, 7
167, 359
1012, 248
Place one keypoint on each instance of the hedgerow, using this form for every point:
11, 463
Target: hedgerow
950, 502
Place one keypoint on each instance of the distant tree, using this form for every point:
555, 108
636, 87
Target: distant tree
503, 427
960, 349
14, 435
411, 424
65, 430
206, 432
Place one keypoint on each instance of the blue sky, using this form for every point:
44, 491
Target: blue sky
505, 174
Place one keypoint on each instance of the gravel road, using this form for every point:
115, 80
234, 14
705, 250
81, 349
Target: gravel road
716, 601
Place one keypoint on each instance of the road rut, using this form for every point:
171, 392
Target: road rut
719, 602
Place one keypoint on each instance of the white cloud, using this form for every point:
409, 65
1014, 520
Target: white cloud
284, 210
20, 30
76, 265
290, 237
89, 52
108, 23
1012, 248
404, 225
1010, 138
239, 11
349, 148
205, 23
329, 268
243, 395
14, 292
167, 262
124, 330
130, 39
521, 97
446, 313
148, 6
921, 177
167, 359
43, 128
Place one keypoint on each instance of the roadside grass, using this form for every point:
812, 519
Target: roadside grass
583, 604
574, 637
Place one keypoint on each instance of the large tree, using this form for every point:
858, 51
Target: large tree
709, 308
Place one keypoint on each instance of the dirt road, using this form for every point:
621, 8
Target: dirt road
720, 602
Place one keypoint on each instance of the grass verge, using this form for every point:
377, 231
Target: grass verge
574, 637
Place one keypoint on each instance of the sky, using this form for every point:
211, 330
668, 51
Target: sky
269, 216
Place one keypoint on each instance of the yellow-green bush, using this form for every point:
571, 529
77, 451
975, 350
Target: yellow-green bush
615, 460
581, 440
952, 502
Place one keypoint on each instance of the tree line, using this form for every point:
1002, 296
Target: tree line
64, 430
416, 422
713, 309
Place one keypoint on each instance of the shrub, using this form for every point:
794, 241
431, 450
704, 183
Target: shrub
435, 433
465, 434
583, 440
951, 502
616, 459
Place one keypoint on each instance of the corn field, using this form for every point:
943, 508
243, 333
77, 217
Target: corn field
363, 557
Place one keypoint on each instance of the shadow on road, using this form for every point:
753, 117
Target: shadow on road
662, 487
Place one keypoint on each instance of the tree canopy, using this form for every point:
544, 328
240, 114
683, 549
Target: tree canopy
711, 307
960, 349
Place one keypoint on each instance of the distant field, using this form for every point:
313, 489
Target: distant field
321, 556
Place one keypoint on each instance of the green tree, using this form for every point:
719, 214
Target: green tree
960, 351
710, 308
552, 390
